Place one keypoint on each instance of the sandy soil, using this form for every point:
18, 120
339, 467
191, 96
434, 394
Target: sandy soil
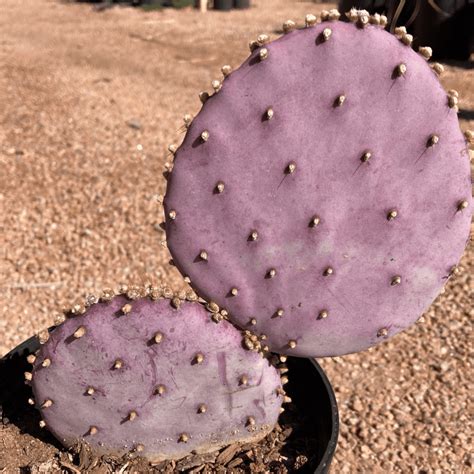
88, 103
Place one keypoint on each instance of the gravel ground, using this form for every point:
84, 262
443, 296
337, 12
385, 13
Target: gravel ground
88, 103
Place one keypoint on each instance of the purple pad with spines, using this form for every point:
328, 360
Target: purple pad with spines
392, 116
162, 402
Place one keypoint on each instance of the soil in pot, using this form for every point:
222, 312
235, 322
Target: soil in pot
303, 441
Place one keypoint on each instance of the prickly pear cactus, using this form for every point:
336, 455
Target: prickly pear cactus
152, 378
322, 195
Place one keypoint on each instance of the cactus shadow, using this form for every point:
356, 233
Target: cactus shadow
254, 60
70, 339
320, 39
466, 114
264, 116
395, 75
467, 64
197, 141
14, 394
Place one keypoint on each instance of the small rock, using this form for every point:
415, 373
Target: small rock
357, 405
134, 123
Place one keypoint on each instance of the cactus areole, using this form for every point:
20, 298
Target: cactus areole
147, 378
328, 183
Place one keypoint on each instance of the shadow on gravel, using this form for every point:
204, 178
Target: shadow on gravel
466, 114
100, 5
460, 64
14, 393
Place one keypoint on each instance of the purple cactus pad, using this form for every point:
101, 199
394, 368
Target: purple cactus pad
330, 193
144, 377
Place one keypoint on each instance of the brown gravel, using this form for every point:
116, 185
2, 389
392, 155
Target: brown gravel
88, 103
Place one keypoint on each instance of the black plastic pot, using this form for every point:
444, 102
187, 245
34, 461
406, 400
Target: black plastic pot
310, 390
308, 387
224, 5
241, 4
14, 393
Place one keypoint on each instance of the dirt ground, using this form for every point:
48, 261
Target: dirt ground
88, 104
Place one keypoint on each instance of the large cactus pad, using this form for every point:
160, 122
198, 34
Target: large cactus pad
144, 377
322, 195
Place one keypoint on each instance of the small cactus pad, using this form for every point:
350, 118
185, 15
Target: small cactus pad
144, 377
332, 194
